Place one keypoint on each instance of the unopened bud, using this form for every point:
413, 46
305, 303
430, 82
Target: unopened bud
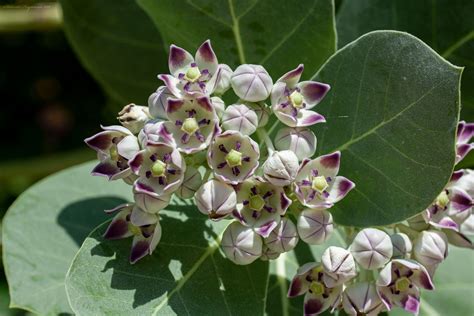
372, 248
339, 265
402, 246
216, 199
223, 83
134, 117
251, 83
283, 238
191, 183
239, 117
281, 168
301, 141
430, 248
241, 244
315, 226
219, 106
361, 299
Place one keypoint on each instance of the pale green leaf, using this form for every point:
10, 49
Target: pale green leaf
392, 111
445, 25
118, 45
43, 230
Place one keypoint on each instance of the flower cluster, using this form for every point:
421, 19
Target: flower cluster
382, 269
189, 143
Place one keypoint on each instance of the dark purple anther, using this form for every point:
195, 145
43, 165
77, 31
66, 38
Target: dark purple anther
325, 194
153, 157
146, 234
221, 165
187, 86
223, 149
268, 208
328, 179
236, 171
397, 272
161, 181
314, 173
180, 75
193, 64
284, 105
171, 171
191, 113
178, 123
237, 145
267, 195
205, 72
148, 174
305, 183
312, 195
255, 214
204, 122
254, 190
166, 158
115, 140
199, 136
246, 159
185, 138
245, 202
202, 85
294, 112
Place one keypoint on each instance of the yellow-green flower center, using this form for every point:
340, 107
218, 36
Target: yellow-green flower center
442, 200
297, 99
158, 168
192, 74
134, 229
402, 284
256, 203
319, 184
190, 126
114, 153
317, 288
234, 158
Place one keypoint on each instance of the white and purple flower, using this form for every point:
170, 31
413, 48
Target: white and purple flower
241, 244
260, 205
317, 184
233, 157
160, 168
133, 221
191, 77
318, 296
464, 135
399, 284
115, 146
192, 123
292, 100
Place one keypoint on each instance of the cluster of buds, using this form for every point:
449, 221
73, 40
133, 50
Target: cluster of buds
387, 267
187, 142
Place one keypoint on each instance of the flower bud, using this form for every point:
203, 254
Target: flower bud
268, 254
283, 238
301, 141
219, 106
281, 168
339, 266
251, 83
241, 244
150, 203
372, 248
418, 222
262, 111
216, 199
239, 117
158, 102
223, 83
402, 246
134, 117
315, 226
361, 299
191, 183
430, 248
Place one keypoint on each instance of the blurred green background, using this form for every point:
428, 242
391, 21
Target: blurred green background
49, 103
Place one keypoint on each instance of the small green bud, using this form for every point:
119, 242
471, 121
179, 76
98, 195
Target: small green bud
402, 284
158, 168
297, 99
193, 74
317, 288
256, 202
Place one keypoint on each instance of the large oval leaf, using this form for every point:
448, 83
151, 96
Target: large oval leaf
251, 31
118, 44
446, 25
187, 274
392, 112
43, 230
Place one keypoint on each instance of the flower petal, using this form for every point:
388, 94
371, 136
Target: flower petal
100, 141
118, 228
128, 147
292, 77
339, 189
142, 218
308, 118
465, 132
106, 168
140, 248
458, 239
179, 59
206, 58
172, 84
313, 92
